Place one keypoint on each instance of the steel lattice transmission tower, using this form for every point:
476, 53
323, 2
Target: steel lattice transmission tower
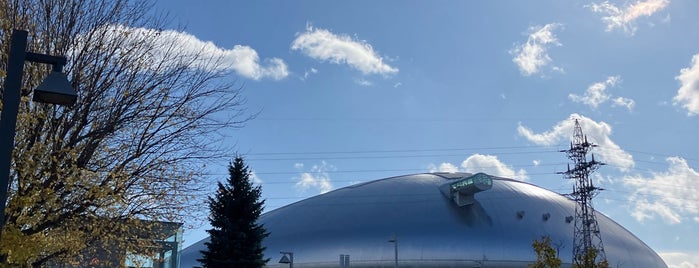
586, 235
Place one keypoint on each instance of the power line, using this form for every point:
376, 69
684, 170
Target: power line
401, 119
395, 150
446, 150
349, 200
384, 156
661, 154
420, 170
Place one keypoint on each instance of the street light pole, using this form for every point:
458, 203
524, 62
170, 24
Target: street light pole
10, 108
55, 89
287, 257
394, 240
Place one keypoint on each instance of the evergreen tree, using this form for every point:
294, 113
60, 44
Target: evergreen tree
236, 237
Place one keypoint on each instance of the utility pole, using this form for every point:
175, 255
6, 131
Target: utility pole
586, 234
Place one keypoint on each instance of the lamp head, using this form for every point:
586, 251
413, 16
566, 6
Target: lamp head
55, 89
285, 259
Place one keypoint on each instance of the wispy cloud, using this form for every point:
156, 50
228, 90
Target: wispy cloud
624, 102
488, 164
308, 73
443, 167
597, 132
532, 55
596, 94
174, 48
680, 259
255, 179
688, 94
323, 45
363, 82
624, 18
672, 194
318, 178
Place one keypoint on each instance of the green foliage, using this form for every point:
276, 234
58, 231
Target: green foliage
546, 256
236, 237
131, 148
588, 260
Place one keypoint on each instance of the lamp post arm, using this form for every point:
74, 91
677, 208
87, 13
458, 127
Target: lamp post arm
57, 61
10, 108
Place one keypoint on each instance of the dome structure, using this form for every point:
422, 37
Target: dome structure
433, 220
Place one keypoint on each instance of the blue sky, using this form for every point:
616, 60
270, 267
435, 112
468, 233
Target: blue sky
361, 90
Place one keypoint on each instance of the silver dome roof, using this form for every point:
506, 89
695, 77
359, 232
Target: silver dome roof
496, 230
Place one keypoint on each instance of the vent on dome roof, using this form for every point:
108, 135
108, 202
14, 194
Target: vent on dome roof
463, 190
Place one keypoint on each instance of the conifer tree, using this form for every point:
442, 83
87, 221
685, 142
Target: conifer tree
236, 237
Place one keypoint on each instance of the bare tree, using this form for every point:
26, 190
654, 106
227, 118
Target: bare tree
133, 146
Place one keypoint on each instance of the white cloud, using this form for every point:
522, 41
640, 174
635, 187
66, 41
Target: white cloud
317, 178
558, 69
245, 61
533, 55
174, 48
443, 167
597, 132
308, 73
596, 94
680, 259
624, 18
624, 102
688, 94
324, 45
488, 164
363, 82
255, 179
536, 162
670, 195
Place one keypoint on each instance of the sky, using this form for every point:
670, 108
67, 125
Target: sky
353, 91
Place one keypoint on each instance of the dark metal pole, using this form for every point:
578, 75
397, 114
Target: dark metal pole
395, 248
287, 257
10, 108
394, 240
